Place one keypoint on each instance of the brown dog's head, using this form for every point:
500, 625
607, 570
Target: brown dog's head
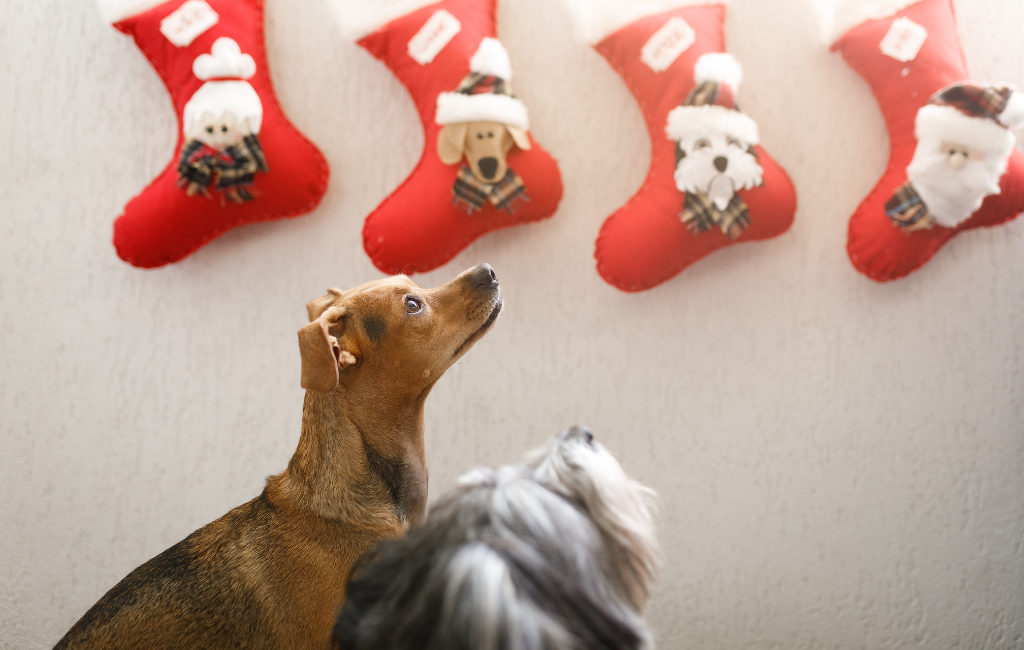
484, 145
391, 335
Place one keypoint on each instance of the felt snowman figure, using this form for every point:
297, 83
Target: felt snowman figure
221, 124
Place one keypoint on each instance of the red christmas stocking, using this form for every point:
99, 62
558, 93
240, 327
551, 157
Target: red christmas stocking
480, 169
710, 184
238, 159
952, 166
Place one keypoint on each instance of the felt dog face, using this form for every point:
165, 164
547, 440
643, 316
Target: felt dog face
716, 164
483, 144
393, 336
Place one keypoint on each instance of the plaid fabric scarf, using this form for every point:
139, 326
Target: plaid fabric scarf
700, 213
907, 211
196, 164
475, 83
240, 163
979, 101
474, 193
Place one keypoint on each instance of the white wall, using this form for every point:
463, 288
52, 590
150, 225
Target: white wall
839, 462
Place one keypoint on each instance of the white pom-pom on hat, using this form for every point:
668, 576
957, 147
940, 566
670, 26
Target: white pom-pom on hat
1013, 114
491, 58
225, 60
719, 67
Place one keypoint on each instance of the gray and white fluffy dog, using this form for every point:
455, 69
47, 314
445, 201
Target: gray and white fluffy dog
556, 552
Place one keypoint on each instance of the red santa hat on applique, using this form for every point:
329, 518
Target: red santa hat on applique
485, 95
710, 108
972, 115
225, 70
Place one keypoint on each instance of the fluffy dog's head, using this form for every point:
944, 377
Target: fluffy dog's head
530, 557
716, 164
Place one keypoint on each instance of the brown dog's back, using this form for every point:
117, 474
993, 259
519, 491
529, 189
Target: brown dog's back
233, 564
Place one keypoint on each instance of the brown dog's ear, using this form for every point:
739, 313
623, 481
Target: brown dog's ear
322, 355
317, 306
451, 142
522, 139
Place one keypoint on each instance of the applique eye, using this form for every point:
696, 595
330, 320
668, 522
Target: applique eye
703, 143
224, 129
733, 142
490, 134
413, 305
479, 136
209, 129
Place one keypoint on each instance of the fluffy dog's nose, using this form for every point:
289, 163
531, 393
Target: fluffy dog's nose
488, 167
721, 162
579, 431
483, 277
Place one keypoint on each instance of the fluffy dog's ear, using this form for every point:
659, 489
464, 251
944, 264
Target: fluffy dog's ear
322, 354
317, 306
451, 142
519, 136
680, 152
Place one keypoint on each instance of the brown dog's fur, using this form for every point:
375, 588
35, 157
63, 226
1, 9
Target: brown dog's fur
477, 141
271, 573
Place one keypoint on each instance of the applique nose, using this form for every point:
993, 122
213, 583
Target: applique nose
721, 162
488, 167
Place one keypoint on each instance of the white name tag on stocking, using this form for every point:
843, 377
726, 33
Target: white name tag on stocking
903, 40
437, 32
187, 22
666, 44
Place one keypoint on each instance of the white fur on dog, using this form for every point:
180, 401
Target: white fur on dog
697, 172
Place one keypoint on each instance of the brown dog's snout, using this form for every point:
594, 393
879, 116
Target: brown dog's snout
482, 278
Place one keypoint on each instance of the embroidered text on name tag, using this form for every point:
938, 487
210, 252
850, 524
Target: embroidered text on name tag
188, 21
903, 40
437, 32
666, 44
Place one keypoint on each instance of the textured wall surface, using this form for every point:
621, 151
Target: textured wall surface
839, 462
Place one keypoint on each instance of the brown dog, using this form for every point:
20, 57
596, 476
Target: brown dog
484, 145
271, 573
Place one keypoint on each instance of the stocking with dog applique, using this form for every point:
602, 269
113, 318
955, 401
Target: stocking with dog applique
238, 159
710, 184
480, 169
952, 165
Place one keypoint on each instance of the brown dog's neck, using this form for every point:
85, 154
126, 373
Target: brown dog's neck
355, 464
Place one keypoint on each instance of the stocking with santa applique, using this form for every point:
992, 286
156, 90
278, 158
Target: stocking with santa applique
238, 159
480, 169
952, 165
710, 184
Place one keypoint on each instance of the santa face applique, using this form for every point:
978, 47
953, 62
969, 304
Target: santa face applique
963, 146
221, 127
482, 120
715, 156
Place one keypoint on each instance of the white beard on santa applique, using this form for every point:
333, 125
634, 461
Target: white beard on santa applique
221, 125
963, 146
715, 156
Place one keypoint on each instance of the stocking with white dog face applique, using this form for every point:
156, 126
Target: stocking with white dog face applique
238, 159
480, 169
710, 184
952, 165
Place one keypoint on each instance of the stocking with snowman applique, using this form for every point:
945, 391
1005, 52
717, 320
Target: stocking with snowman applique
238, 159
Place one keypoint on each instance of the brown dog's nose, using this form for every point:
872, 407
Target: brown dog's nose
482, 278
488, 167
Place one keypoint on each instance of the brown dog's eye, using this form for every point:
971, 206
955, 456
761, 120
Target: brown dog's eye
412, 305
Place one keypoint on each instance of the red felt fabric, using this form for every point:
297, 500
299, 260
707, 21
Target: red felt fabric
876, 247
162, 224
644, 243
417, 228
